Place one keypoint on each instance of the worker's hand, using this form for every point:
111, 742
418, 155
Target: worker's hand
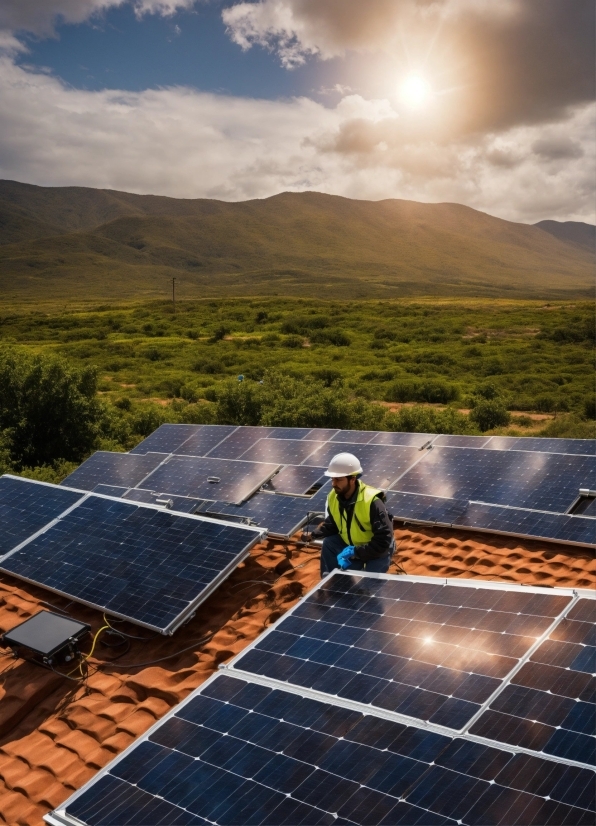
345, 557
306, 537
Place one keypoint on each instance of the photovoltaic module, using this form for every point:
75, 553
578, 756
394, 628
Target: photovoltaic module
247, 749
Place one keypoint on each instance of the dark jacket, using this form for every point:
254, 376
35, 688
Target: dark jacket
382, 542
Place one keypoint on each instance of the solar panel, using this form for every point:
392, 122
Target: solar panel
321, 434
446, 440
291, 433
501, 442
410, 439
540, 481
236, 752
494, 518
587, 508
427, 650
110, 490
354, 436
205, 439
181, 504
281, 451
549, 706
166, 438
238, 442
296, 479
279, 515
118, 469
26, 506
586, 447
207, 478
133, 561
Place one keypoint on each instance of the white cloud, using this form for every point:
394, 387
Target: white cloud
183, 143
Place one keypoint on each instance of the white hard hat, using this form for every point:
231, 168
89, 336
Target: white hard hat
343, 464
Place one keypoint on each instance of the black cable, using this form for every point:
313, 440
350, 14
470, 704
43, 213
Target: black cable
162, 659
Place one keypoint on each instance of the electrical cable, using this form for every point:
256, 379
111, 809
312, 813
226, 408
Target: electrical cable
161, 659
130, 636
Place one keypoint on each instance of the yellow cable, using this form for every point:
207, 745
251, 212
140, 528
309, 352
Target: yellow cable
86, 657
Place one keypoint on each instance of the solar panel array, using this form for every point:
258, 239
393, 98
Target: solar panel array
135, 562
520, 486
247, 749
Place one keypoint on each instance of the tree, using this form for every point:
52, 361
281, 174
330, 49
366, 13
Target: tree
50, 409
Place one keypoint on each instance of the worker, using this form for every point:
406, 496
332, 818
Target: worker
357, 532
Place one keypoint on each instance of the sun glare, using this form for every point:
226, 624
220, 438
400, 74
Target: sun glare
415, 91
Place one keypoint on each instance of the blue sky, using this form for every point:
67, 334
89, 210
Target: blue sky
480, 102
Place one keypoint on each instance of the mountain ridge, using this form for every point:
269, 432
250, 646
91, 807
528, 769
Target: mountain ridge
64, 241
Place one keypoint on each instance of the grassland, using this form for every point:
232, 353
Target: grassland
75, 244
536, 357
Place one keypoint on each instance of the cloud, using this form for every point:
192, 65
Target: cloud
39, 17
187, 144
512, 61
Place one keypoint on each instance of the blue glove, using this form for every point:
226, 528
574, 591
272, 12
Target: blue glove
345, 557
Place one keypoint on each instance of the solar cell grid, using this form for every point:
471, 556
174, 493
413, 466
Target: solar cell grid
354, 436
26, 506
539, 481
423, 650
296, 479
408, 439
445, 440
166, 438
321, 434
181, 504
110, 490
290, 433
238, 442
135, 562
237, 752
207, 478
586, 447
550, 704
118, 469
205, 439
280, 451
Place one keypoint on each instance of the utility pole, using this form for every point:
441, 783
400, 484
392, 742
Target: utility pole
174, 294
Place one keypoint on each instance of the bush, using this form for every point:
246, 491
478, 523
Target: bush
50, 409
590, 407
489, 414
335, 337
432, 392
293, 341
419, 419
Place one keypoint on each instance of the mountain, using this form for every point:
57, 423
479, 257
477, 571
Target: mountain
572, 232
80, 243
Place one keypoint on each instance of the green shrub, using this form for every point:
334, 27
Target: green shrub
335, 337
490, 413
293, 341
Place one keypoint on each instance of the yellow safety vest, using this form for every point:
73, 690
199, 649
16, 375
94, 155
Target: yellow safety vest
360, 528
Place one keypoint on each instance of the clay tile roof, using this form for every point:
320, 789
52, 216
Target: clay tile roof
54, 736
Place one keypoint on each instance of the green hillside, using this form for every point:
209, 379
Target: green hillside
87, 244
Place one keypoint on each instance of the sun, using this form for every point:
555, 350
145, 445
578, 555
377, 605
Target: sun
415, 91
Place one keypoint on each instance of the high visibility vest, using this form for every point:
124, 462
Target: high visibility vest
360, 528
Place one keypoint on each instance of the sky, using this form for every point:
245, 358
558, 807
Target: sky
488, 103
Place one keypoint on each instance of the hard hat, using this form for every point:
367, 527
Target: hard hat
343, 464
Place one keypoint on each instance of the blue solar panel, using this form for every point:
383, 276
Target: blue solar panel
429, 651
281, 451
460, 441
355, 436
382, 464
297, 479
550, 705
410, 439
26, 506
238, 442
501, 442
114, 469
540, 481
166, 438
181, 504
110, 490
587, 447
205, 439
290, 433
239, 753
132, 561
279, 515
208, 478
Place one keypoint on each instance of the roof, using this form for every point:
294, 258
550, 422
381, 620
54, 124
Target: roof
54, 737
